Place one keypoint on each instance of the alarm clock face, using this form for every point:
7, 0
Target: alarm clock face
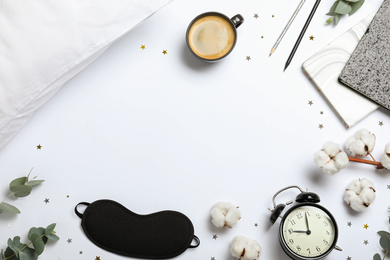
308, 232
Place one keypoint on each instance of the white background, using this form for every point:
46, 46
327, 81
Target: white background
156, 132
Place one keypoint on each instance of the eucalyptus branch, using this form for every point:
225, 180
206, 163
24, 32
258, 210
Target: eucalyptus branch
20, 250
38, 238
20, 187
343, 7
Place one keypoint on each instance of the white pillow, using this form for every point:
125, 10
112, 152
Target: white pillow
45, 43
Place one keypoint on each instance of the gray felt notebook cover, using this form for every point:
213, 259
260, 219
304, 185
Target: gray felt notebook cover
368, 69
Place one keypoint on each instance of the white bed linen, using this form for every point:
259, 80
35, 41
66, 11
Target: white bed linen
45, 43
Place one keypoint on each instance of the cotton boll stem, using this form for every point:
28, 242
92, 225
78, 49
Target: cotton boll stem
372, 157
359, 160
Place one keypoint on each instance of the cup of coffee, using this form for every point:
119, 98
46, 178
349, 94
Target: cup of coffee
212, 36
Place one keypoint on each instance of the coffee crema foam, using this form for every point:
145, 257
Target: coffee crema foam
211, 37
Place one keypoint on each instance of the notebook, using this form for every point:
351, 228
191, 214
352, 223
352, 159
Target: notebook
368, 69
324, 67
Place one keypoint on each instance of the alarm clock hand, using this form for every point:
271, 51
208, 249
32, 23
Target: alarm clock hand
299, 231
307, 224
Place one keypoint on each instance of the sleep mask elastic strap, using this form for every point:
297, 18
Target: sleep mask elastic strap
197, 240
78, 213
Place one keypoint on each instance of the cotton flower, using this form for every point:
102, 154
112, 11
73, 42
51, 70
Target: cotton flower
386, 157
225, 214
245, 248
330, 158
360, 194
361, 143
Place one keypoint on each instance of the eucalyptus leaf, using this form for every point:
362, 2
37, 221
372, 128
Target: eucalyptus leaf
355, 6
15, 245
34, 182
1, 254
353, 1
377, 257
53, 236
21, 190
28, 254
9, 254
35, 231
50, 229
333, 8
9, 208
385, 243
1, 211
38, 243
384, 234
18, 181
336, 19
343, 8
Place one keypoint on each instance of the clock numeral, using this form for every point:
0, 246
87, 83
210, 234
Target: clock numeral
318, 216
325, 223
326, 242
291, 241
292, 222
290, 230
308, 250
327, 232
299, 248
299, 215
318, 249
307, 213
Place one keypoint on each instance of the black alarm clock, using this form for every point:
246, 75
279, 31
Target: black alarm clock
307, 231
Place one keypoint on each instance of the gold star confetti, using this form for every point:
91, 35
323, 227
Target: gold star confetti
81, 252
321, 112
365, 226
349, 224
310, 102
69, 240
380, 123
97, 258
212, 258
320, 126
256, 225
46, 200
39, 147
215, 236
388, 187
365, 242
67, 196
256, 16
349, 258
165, 52
311, 38
273, 16
262, 37
143, 47
248, 58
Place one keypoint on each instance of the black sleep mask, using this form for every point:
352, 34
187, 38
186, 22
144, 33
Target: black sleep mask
113, 227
